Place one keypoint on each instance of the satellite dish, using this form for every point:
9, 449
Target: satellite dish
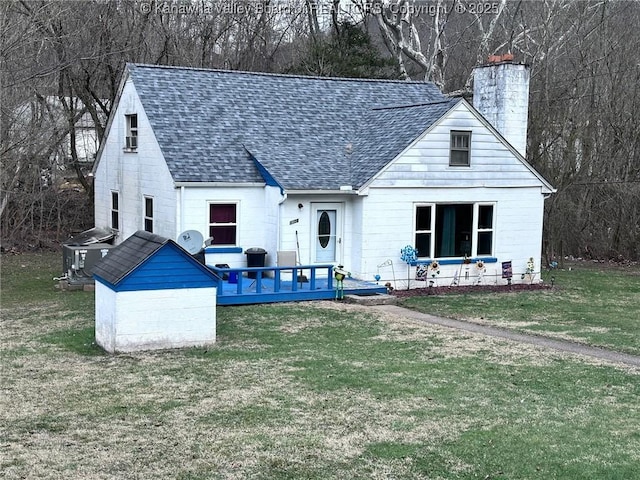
191, 241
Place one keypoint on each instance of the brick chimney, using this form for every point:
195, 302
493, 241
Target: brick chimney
501, 95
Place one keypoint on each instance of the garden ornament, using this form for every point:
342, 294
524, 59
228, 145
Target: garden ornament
409, 255
339, 274
481, 271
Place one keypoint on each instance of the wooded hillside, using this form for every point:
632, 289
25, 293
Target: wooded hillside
60, 63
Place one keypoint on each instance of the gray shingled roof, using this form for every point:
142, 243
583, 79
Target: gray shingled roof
127, 256
206, 122
386, 132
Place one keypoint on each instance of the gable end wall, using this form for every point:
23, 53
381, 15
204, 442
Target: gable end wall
426, 163
134, 175
167, 269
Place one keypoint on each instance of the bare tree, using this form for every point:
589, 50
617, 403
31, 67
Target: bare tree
60, 64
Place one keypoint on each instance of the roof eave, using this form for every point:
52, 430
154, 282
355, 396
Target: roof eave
547, 188
351, 191
112, 113
218, 184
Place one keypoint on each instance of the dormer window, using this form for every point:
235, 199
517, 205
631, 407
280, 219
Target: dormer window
460, 149
131, 143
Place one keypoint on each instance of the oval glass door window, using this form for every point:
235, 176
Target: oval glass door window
324, 229
326, 236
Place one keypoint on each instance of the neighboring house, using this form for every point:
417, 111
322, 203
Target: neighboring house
345, 171
41, 125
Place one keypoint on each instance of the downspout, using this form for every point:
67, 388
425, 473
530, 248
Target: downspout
279, 227
181, 205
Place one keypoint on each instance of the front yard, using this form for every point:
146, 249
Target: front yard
593, 303
317, 390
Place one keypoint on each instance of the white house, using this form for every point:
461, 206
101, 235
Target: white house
345, 171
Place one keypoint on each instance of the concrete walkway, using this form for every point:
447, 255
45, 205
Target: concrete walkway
562, 345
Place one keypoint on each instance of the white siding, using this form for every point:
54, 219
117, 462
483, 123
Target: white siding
305, 224
134, 175
426, 163
517, 227
422, 175
155, 319
105, 315
257, 213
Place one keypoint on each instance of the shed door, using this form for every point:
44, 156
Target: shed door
328, 232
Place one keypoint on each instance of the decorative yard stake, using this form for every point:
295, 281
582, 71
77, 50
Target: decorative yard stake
529, 272
340, 273
434, 269
481, 270
409, 255
466, 261
422, 272
507, 271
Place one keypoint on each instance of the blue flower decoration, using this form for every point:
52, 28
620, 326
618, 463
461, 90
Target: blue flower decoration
408, 254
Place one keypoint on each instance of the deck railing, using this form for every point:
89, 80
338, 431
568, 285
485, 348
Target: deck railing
318, 282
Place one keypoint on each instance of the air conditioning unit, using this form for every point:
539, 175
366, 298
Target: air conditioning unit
78, 261
132, 143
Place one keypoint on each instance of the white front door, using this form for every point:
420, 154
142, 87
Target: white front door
327, 239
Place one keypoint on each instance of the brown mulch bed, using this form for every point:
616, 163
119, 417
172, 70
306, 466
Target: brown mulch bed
463, 289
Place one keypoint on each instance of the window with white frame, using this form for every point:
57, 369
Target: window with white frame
148, 214
484, 242
131, 140
460, 154
424, 230
454, 230
223, 223
115, 210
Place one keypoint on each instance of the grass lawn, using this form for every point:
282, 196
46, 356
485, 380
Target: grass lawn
592, 304
299, 391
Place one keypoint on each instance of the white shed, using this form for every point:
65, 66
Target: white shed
152, 294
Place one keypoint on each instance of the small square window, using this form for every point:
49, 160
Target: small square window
460, 149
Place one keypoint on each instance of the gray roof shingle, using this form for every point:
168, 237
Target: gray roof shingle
127, 256
386, 132
208, 121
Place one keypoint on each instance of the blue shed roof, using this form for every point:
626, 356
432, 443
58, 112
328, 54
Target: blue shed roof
292, 131
146, 261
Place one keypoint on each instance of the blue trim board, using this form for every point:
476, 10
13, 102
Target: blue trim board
223, 250
454, 261
266, 175
149, 286
287, 294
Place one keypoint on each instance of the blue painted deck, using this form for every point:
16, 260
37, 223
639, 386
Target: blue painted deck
268, 286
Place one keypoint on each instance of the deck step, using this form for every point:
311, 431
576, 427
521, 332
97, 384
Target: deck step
371, 299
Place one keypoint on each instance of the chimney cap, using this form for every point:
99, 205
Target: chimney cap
505, 57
